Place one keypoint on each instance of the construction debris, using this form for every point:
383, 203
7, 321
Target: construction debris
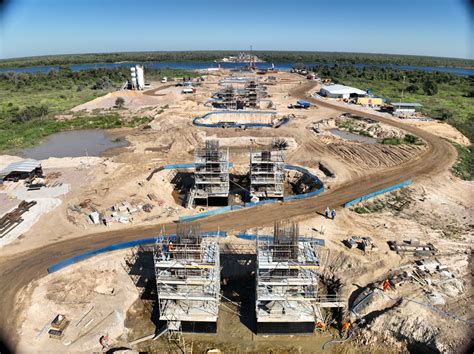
364, 243
413, 247
12, 219
58, 326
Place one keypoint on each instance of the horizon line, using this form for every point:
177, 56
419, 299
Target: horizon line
228, 50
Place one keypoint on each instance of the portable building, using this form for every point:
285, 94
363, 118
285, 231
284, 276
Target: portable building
371, 101
405, 108
21, 170
341, 91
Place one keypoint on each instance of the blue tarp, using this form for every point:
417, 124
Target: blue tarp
205, 214
184, 165
246, 236
119, 246
226, 209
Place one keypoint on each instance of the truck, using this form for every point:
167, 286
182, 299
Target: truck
188, 90
300, 104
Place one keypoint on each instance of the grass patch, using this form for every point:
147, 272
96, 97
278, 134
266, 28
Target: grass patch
30, 133
29, 103
407, 139
394, 201
463, 168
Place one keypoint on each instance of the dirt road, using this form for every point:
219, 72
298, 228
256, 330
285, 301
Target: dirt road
18, 271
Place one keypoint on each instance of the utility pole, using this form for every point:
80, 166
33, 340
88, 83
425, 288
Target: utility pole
403, 87
87, 158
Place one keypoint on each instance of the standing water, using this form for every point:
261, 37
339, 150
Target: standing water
73, 144
353, 137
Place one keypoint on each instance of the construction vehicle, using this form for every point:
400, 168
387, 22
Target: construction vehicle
300, 104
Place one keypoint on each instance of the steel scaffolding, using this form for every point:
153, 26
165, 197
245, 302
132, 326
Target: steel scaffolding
286, 277
211, 177
267, 174
187, 278
231, 97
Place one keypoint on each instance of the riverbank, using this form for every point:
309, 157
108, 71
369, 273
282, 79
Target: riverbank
268, 56
201, 65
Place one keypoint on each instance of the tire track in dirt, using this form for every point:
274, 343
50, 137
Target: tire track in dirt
18, 271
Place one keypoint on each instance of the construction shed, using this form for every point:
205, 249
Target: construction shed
21, 170
341, 91
405, 108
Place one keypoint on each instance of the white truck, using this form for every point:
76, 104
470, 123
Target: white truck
188, 90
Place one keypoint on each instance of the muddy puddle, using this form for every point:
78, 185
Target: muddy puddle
92, 142
353, 137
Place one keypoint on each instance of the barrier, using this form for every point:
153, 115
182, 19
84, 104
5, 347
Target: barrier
205, 214
305, 195
251, 237
381, 191
119, 246
178, 165
184, 166
314, 178
263, 202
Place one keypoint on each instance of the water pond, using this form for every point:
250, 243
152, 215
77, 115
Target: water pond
92, 142
353, 137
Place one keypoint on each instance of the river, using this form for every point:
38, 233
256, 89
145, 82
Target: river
208, 64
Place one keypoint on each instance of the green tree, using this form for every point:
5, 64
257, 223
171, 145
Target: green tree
119, 102
430, 87
443, 114
412, 88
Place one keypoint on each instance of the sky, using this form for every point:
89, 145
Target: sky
419, 27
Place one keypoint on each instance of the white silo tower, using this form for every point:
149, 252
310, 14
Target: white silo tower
140, 77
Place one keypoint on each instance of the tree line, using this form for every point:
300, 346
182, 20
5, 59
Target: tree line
269, 56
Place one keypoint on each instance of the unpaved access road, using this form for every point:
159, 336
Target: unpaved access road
19, 270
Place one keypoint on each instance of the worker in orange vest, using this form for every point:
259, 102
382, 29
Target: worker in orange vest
345, 327
386, 285
170, 249
321, 325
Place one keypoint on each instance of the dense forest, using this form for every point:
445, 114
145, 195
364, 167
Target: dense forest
270, 56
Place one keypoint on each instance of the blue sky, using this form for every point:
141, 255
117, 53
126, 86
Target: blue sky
421, 27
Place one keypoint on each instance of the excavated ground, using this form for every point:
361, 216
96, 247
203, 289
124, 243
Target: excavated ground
176, 138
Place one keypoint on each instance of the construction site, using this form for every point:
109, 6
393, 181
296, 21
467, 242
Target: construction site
232, 222
241, 93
